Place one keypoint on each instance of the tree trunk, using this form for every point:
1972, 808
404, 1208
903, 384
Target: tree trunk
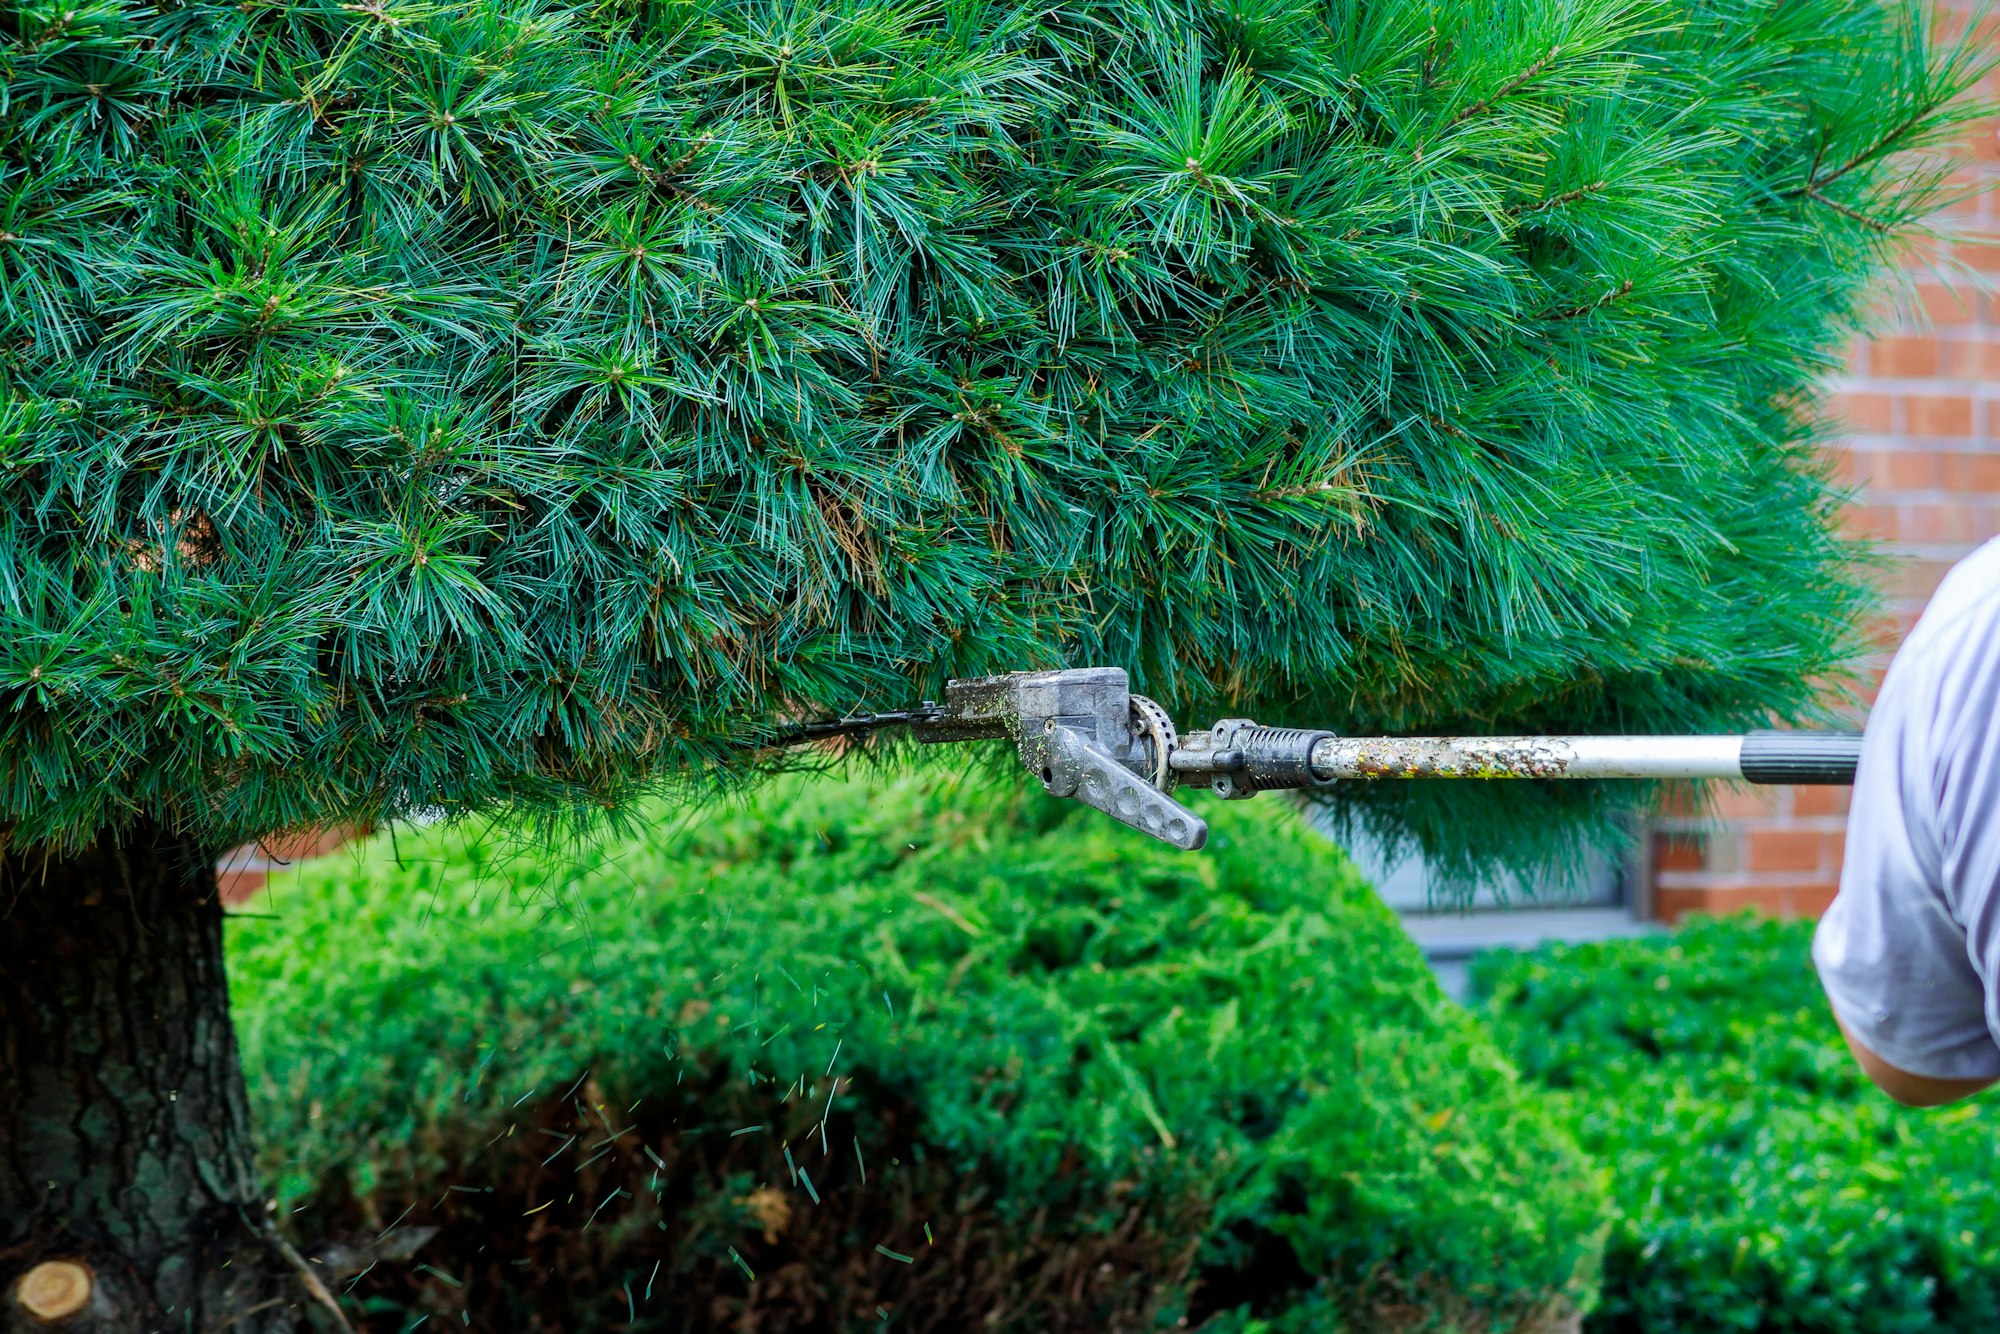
128, 1195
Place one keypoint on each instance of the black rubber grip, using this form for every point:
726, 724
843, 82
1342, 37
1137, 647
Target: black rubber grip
1801, 757
1277, 758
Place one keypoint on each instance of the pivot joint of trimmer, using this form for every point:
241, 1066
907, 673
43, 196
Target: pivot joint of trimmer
1086, 735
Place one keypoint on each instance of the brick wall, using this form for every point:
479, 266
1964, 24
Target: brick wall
1922, 454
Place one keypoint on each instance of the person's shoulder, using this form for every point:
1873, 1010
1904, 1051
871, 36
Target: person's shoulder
1967, 601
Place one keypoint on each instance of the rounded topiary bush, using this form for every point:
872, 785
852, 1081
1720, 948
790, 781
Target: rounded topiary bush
948, 1053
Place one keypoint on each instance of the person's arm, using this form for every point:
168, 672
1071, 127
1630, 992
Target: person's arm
1906, 1088
1909, 952
1898, 967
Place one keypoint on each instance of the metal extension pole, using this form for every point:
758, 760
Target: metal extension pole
1758, 757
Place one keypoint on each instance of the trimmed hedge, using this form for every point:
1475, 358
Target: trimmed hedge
1761, 1183
904, 1055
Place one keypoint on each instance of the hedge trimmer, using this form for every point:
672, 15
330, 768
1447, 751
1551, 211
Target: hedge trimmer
1087, 736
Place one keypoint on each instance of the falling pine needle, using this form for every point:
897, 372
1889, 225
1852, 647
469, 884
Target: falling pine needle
895, 1255
807, 1181
600, 1208
392, 1227
828, 1112
748, 1272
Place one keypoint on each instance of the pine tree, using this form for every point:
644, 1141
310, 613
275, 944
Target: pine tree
515, 405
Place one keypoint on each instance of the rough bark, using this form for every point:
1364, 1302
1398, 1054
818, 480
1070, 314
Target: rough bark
124, 1129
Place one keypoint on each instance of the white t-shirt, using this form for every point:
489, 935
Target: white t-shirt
1909, 952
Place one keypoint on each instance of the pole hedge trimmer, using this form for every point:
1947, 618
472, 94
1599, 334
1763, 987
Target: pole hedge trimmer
1087, 736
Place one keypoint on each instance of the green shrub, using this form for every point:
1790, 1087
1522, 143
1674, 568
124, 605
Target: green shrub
1084, 1081
1760, 1182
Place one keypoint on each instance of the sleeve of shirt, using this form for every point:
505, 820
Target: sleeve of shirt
1909, 953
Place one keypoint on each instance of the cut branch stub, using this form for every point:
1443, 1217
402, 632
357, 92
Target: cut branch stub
54, 1289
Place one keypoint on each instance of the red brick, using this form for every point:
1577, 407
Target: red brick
1786, 849
1938, 415
1870, 412
1968, 471
1913, 581
1811, 801
1670, 905
1966, 207
1907, 470
1908, 355
1946, 306
306, 844
1950, 522
1921, 254
1978, 358
232, 886
1744, 802
1978, 250
1876, 523
1887, 630
1680, 852
246, 869
1810, 900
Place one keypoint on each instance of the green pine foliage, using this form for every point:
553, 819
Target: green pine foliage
416, 405
1064, 1076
